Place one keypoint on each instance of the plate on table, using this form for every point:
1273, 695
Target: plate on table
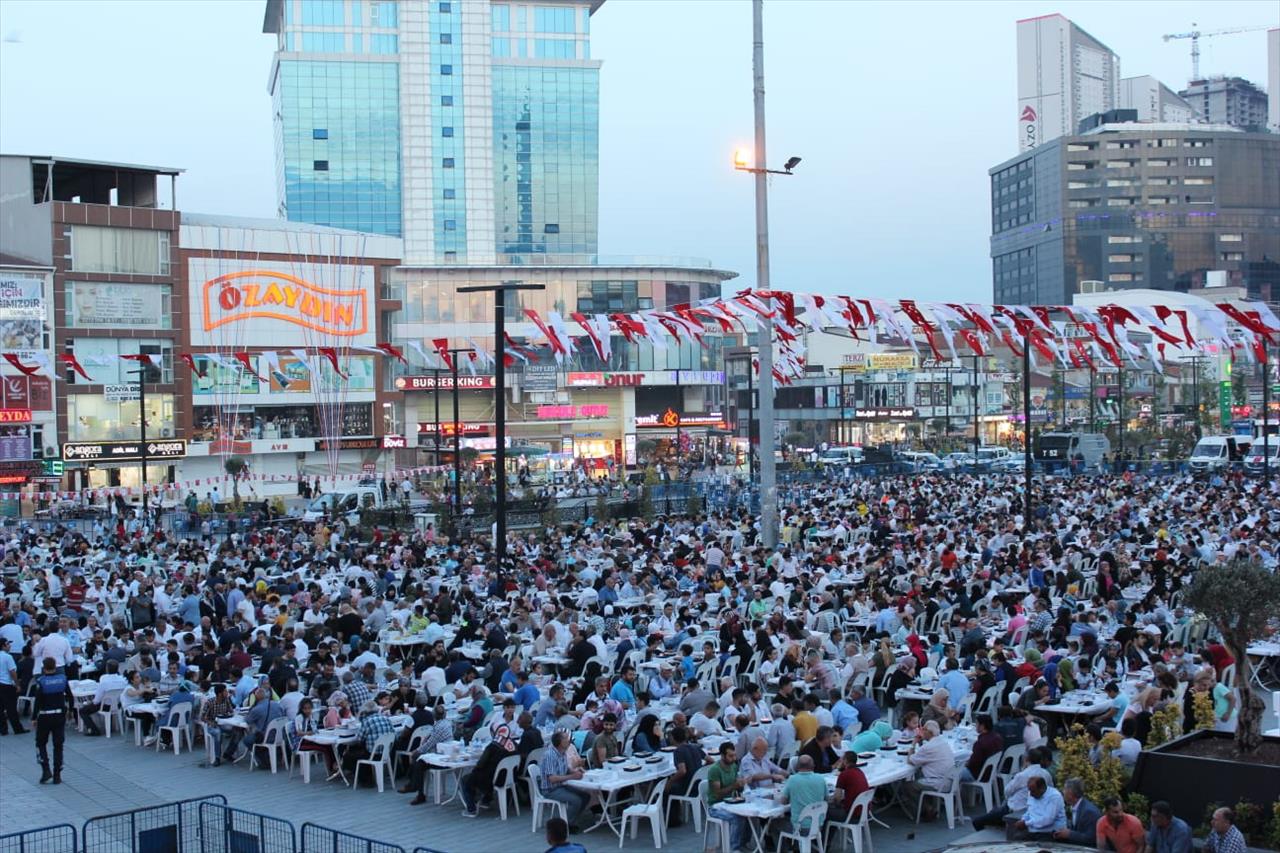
667, 749
645, 754
657, 759
866, 756
888, 747
618, 760
632, 768
733, 801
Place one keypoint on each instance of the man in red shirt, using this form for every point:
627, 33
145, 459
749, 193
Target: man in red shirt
1219, 657
1123, 831
852, 782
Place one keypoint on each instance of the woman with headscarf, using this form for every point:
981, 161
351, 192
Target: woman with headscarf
918, 651
1066, 675
1030, 666
339, 710
938, 711
902, 676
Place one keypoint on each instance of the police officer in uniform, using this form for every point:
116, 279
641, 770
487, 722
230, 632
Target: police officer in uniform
53, 695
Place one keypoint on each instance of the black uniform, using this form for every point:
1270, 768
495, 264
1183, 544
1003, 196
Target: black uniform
53, 696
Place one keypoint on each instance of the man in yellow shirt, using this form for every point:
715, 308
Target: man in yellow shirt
805, 723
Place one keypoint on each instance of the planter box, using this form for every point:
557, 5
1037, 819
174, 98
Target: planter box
1190, 782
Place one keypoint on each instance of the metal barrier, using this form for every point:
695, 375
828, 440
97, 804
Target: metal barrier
59, 838
426, 850
224, 829
166, 828
321, 839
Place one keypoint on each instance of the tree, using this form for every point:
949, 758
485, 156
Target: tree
1238, 599
234, 466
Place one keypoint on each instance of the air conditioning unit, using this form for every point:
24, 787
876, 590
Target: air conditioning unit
1091, 286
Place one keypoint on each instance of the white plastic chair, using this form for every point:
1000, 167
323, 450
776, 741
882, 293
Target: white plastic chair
1229, 676
379, 761
179, 726
989, 701
210, 744
651, 810
415, 740
537, 802
110, 710
275, 740
720, 825
949, 799
1010, 764
855, 829
810, 829
692, 800
504, 783
986, 782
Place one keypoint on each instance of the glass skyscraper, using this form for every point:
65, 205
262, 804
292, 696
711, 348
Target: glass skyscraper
467, 127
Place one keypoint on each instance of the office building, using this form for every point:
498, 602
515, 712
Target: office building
1154, 101
468, 127
1160, 206
1232, 101
1273, 79
1064, 74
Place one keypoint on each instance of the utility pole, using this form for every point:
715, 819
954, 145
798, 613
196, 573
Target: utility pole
768, 468
1120, 416
751, 415
1266, 412
499, 292
142, 433
435, 375
975, 408
1026, 423
1093, 402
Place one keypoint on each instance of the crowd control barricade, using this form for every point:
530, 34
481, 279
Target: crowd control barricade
321, 839
165, 828
224, 829
59, 838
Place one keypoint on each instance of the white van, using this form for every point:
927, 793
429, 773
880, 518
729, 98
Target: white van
1253, 462
1216, 452
346, 502
841, 456
1062, 448
990, 455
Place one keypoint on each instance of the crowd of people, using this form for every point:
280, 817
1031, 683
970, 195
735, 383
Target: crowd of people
917, 610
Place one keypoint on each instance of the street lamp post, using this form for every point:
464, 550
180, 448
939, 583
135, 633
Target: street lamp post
141, 373
1266, 412
1026, 427
499, 292
768, 468
975, 408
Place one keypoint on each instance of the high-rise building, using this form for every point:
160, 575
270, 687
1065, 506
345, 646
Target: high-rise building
1154, 101
468, 127
1228, 100
1064, 74
1154, 205
1273, 79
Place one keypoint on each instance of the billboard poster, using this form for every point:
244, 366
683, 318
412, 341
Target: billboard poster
16, 392
41, 390
22, 313
100, 305
222, 379
15, 447
293, 376
540, 377
273, 304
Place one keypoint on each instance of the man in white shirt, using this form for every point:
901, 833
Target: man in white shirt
110, 682
937, 763
705, 723
56, 646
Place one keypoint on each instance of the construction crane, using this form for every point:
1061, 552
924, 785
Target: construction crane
1196, 35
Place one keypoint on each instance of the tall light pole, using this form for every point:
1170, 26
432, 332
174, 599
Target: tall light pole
499, 292
768, 468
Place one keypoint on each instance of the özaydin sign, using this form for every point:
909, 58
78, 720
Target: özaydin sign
237, 304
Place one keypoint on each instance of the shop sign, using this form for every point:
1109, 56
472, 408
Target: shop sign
891, 361
671, 419
119, 393
584, 380
51, 468
15, 447
239, 296
568, 413
882, 414
109, 451
540, 377
101, 305
429, 383
854, 360
394, 442
15, 416
449, 428
629, 448
41, 391
623, 380
16, 392
348, 444
701, 377
21, 297
252, 447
